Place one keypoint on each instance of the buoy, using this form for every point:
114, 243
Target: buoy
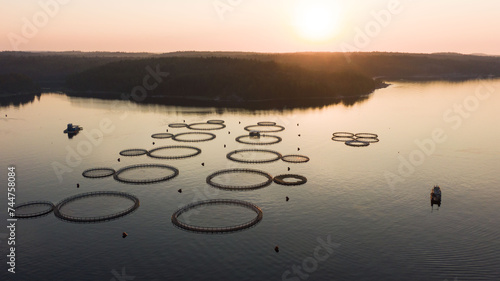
203, 164
167, 130
180, 190
183, 121
224, 146
153, 143
287, 199
124, 234
239, 122
297, 124
228, 132
77, 185
277, 249
299, 135
288, 168
118, 159
298, 148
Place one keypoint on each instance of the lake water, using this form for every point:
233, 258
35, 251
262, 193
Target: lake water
364, 213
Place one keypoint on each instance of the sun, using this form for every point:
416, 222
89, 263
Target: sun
316, 20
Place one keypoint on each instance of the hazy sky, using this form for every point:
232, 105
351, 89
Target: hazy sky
422, 26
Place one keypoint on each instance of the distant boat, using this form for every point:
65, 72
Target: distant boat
436, 195
72, 129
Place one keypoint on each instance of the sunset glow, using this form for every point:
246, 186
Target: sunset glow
317, 20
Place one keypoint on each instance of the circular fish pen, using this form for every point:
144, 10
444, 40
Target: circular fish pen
206, 126
247, 154
64, 215
285, 179
357, 143
132, 174
178, 125
156, 152
95, 173
368, 140
366, 135
215, 121
262, 140
343, 139
294, 158
265, 129
182, 137
162, 136
224, 229
33, 209
133, 152
343, 134
266, 123
226, 183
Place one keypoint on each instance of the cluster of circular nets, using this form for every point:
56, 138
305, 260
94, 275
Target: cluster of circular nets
104, 200
206, 126
260, 140
215, 121
253, 156
266, 123
174, 152
178, 125
239, 179
133, 152
294, 158
285, 179
356, 140
146, 173
33, 209
194, 137
265, 128
224, 229
162, 136
98, 173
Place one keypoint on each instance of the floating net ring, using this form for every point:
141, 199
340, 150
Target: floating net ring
295, 158
178, 125
343, 139
265, 129
209, 136
94, 219
131, 169
268, 181
215, 121
343, 134
33, 209
246, 139
283, 179
152, 152
368, 140
95, 173
133, 152
162, 136
366, 135
225, 229
206, 126
277, 156
266, 123
357, 143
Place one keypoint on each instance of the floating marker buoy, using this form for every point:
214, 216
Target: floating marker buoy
124, 234
228, 132
297, 124
118, 159
288, 168
239, 122
298, 148
299, 135
224, 146
277, 249
153, 143
180, 190
203, 164
287, 199
77, 185
167, 130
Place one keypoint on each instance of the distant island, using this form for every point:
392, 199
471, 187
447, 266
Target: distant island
231, 79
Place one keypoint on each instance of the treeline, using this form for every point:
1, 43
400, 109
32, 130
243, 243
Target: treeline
222, 79
14, 83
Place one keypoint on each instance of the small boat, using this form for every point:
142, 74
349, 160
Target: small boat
255, 134
436, 195
72, 129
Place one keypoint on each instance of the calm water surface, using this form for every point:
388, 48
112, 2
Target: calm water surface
371, 204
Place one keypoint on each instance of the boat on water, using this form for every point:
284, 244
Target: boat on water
436, 195
72, 129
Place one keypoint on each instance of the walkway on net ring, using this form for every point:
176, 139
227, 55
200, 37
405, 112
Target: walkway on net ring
57, 208
276, 158
226, 229
268, 181
50, 207
117, 177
